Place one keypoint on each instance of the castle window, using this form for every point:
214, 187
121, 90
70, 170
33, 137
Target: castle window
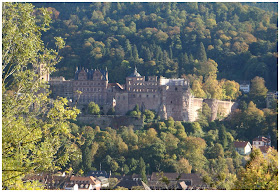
154, 96
147, 96
123, 97
171, 102
176, 88
140, 95
133, 95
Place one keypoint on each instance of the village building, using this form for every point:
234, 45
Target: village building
244, 86
167, 97
270, 98
265, 150
52, 182
261, 141
243, 147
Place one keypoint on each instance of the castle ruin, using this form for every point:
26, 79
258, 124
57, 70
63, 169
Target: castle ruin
167, 97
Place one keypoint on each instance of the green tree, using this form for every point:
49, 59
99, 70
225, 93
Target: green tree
183, 166
258, 87
260, 172
93, 108
142, 168
197, 89
32, 124
202, 53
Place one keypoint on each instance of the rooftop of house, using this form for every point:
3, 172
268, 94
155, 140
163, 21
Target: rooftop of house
190, 179
98, 174
60, 181
241, 144
262, 138
128, 183
264, 149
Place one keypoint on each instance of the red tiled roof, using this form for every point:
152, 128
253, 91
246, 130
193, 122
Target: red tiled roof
261, 138
264, 149
240, 144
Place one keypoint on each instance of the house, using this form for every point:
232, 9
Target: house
175, 181
261, 141
129, 181
243, 147
53, 182
83, 183
265, 150
102, 176
245, 87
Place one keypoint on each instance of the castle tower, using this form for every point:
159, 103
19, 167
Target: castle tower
44, 73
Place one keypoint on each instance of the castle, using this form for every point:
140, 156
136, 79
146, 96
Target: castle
167, 97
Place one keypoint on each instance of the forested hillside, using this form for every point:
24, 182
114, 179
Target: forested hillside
165, 39
214, 45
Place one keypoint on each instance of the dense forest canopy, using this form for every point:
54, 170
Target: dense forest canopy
165, 39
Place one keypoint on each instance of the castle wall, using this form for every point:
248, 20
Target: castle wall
121, 103
60, 87
220, 109
146, 100
195, 106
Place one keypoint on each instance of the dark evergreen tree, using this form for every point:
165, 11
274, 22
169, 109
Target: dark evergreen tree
223, 136
142, 168
201, 53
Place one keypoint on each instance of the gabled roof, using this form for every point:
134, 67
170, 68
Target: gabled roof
90, 73
241, 144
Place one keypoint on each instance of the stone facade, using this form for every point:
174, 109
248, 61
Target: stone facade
167, 97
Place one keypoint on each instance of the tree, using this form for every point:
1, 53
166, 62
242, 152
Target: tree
202, 53
33, 125
212, 88
183, 166
197, 89
149, 115
231, 89
142, 168
258, 90
260, 172
93, 108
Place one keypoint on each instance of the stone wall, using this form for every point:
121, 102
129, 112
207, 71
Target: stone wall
220, 109
113, 121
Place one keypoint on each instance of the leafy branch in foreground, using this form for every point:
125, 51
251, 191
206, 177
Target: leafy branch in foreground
32, 124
